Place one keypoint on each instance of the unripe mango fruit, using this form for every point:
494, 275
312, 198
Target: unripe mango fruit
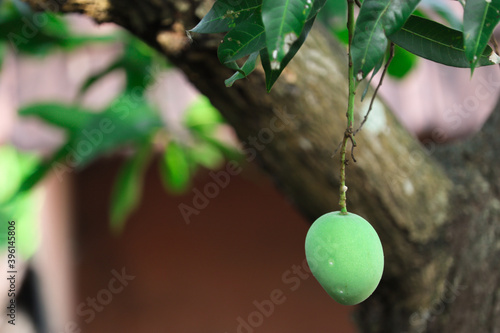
345, 255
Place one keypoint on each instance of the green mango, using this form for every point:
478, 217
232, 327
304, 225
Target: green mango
345, 255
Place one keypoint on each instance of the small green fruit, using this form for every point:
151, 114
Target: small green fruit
345, 255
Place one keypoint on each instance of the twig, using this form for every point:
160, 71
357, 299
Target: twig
384, 71
353, 145
343, 188
494, 43
350, 109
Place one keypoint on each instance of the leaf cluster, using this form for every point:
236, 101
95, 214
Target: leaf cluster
130, 123
38, 33
381, 22
276, 29
271, 29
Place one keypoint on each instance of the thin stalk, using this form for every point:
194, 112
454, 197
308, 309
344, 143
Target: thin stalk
350, 111
343, 187
352, 79
391, 56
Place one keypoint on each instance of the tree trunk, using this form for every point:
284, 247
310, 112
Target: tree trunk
436, 212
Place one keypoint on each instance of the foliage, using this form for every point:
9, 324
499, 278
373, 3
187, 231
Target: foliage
276, 30
38, 34
480, 18
270, 30
376, 21
14, 166
182, 159
433, 41
130, 123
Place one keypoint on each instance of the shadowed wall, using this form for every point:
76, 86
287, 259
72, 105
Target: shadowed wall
236, 256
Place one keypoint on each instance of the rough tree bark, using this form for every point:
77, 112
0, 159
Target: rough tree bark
436, 211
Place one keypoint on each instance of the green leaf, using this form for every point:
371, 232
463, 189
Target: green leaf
69, 117
42, 169
25, 211
376, 20
230, 152
136, 61
244, 71
72, 42
317, 6
272, 74
226, 14
284, 21
140, 63
436, 42
99, 75
14, 167
206, 155
3, 52
480, 18
8, 11
128, 120
175, 167
246, 38
128, 187
54, 25
40, 33
202, 120
203, 115
23, 208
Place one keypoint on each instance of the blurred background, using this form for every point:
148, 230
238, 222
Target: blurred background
135, 208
